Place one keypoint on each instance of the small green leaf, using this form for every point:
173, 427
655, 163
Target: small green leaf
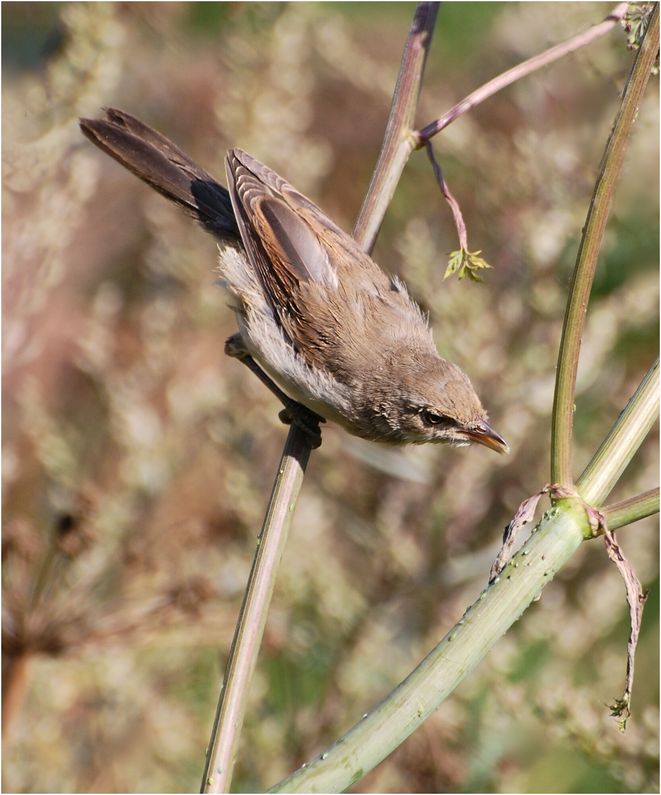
620, 709
454, 263
466, 263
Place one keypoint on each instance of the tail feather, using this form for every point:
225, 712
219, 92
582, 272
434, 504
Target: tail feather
161, 164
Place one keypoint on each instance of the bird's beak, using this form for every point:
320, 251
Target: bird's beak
483, 433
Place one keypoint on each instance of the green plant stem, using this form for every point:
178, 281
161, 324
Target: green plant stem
586, 262
398, 142
632, 509
556, 538
254, 610
623, 440
521, 70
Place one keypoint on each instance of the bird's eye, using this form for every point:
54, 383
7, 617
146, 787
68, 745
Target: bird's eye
430, 417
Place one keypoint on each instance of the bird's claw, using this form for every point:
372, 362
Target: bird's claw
306, 420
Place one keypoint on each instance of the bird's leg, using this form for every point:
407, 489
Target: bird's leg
293, 412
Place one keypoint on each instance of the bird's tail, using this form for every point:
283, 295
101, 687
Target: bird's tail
157, 161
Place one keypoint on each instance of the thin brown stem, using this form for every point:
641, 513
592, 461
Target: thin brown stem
586, 262
449, 198
399, 140
521, 70
14, 685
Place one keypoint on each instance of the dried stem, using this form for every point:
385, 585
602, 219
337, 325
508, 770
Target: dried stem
521, 70
586, 262
399, 140
252, 618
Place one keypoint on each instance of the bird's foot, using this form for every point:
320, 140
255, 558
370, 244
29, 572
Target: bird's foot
293, 413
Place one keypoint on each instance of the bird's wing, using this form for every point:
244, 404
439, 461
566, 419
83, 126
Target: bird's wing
314, 275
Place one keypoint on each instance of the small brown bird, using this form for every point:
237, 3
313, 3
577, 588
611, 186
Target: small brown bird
315, 312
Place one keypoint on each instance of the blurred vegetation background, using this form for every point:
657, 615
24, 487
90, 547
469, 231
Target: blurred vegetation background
138, 460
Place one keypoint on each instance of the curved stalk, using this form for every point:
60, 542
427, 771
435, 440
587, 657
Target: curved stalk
588, 253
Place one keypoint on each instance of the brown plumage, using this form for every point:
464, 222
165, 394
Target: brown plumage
314, 310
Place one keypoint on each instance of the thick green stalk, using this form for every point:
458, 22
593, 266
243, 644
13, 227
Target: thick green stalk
555, 540
588, 253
